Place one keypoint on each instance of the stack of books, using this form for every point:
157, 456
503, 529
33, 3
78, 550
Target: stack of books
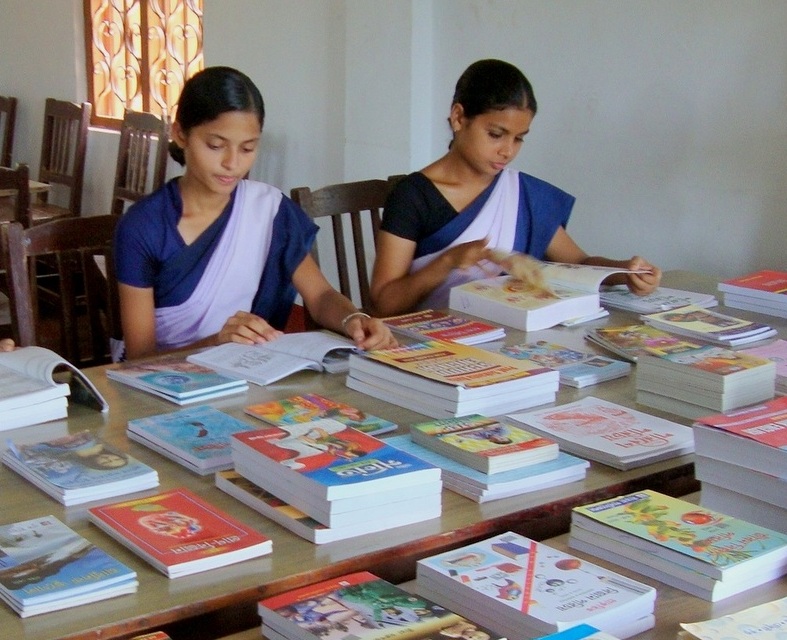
179, 533
521, 588
79, 468
337, 475
609, 433
741, 461
706, 553
691, 380
483, 487
360, 606
628, 340
619, 296
776, 351
699, 323
762, 622
45, 566
576, 368
762, 291
197, 437
444, 379
440, 325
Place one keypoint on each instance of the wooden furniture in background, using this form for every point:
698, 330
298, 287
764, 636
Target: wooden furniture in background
142, 158
82, 314
7, 124
15, 195
62, 165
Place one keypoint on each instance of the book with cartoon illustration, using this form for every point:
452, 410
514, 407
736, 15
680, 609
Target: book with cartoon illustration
697, 322
523, 588
431, 324
628, 340
179, 533
312, 406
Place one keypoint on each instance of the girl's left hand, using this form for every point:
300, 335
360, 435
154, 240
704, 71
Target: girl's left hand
6, 344
370, 333
642, 283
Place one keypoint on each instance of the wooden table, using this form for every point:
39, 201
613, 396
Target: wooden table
222, 601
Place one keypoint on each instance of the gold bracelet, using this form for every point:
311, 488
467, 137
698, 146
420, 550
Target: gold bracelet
350, 316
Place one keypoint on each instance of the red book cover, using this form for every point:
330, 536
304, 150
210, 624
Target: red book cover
770, 281
764, 423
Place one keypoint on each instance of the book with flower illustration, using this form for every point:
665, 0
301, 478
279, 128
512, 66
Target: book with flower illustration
179, 533
311, 406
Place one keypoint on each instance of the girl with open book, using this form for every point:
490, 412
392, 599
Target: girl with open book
460, 218
211, 257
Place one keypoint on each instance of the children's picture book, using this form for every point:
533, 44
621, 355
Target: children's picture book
711, 543
483, 443
45, 566
572, 291
777, 352
763, 291
628, 340
35, 383
711, 326
520, 587
176, 379
619, 296
179, 533
430, 324
610, 433
271, 361
79, 468
765, 621
196, 437
361, 605
312, 406
577, 368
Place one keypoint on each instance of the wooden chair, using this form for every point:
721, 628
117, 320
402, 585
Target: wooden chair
63, 150
7, 124
143, 137
16, 207
84, 314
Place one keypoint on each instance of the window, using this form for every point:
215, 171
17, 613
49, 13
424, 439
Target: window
139, 53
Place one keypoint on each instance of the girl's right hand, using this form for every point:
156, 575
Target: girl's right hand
247, 328
468, 254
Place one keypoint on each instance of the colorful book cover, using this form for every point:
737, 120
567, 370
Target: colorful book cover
42, 560
361, 606
200, 434
439, 325
765, 423
629, 340
715, 539
773, 282
712, 359
762, 622
775, 351
579, 632
311, 406
177, 527
701, 321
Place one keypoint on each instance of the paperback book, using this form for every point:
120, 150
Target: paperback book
196, 437
609, 433
662, 299
627, 341
483, 443
266, 363
441, 325
79, 468
579, 632
179, 533
45, 566
311, 406
765, 621
777, 352
174, 378
519, 587
763, 291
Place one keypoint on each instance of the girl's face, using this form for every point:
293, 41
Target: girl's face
490, 141
221, 152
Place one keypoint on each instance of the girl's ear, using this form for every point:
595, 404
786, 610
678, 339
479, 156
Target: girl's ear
456, 117
177, 135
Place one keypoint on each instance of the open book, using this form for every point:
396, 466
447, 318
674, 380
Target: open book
271, 361
570, 291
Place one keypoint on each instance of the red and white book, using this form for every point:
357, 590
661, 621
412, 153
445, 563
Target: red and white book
430, 324
764, 291
179, 533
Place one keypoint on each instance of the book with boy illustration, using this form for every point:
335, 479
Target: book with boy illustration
628, 340
522, 588
442, 379
46, 566
79, 468
483, 443
709, 554
763, 291
35, 384
196, 437
577, 368
361, 606
179, 533
176, 379
619, 296
570, 291
312, 406
609, 433
431, 324
711, 326
271, 361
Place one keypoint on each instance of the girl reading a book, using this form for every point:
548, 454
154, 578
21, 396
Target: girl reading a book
461, 217
212, 257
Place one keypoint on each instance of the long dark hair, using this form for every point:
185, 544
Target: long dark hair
211, 92
488, 85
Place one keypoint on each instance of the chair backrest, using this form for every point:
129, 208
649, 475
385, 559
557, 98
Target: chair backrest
352, 200
18, 210
142, 158
63, 148
82, 310
7, 124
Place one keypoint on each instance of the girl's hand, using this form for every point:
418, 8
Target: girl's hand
642, 283
247, 328
467, 254
6, 344
369, 333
